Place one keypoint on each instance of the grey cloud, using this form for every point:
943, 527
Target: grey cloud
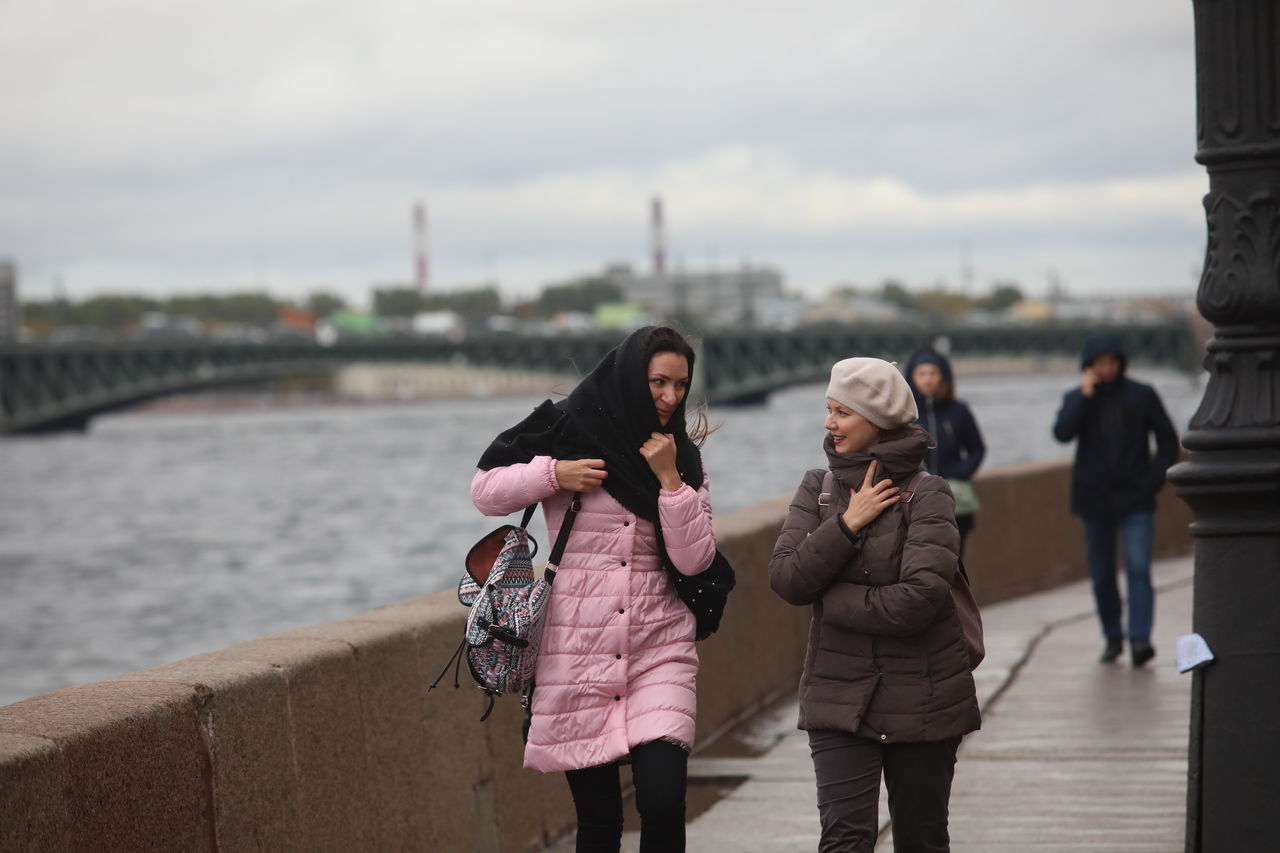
152, 135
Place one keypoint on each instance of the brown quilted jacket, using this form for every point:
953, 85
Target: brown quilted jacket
885, 659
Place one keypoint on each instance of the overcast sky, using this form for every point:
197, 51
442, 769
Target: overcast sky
167, 146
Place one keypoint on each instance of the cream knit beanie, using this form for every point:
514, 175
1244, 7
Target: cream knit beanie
874, 389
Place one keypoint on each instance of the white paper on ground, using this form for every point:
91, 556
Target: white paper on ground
1192, 652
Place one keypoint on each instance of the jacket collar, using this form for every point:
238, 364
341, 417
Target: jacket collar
896, 459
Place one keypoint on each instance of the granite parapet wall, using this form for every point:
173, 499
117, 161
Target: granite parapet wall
1025, 540
326, 737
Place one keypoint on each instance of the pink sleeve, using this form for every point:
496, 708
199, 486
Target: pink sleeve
686, 527
502, 491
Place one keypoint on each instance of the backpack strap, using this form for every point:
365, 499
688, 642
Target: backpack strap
908, 493
824, 496
557, 550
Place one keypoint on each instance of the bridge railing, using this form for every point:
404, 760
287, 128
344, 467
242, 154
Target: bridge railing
58, 387
743, 366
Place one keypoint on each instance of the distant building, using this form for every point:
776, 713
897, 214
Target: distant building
10, 310
781, 312
158, 324
847, 307
1032, 311
439, 323
620, 315
346, 323
1120, 309
715, 297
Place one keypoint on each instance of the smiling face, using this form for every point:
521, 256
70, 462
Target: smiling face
668, 383
849, 430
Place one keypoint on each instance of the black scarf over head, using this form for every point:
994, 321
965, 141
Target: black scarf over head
607, 416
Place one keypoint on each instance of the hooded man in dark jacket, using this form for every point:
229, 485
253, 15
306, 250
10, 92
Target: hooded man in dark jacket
1114, 483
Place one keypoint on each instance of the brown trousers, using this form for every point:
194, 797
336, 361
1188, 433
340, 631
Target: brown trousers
918, 776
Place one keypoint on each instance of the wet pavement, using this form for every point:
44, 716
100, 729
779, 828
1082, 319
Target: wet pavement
1073, 755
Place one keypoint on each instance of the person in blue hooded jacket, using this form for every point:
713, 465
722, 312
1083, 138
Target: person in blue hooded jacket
958, 447
1113, 485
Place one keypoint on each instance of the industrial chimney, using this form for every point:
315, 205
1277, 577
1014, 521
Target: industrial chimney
420, 269
10, 308
659, 240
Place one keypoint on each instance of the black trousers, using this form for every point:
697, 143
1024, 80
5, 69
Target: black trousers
966, 523
659, 771
917, 775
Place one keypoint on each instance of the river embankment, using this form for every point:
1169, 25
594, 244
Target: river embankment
325, 737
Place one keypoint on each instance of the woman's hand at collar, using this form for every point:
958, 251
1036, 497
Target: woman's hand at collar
660, 452
866, 504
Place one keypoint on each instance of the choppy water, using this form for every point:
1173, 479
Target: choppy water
158, 536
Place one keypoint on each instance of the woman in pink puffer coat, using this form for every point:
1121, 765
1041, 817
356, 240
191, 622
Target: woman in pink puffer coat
617, 669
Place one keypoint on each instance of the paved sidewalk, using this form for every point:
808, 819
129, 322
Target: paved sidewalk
1073, 755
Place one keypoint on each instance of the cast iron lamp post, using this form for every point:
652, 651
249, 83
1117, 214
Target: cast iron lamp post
1232, 477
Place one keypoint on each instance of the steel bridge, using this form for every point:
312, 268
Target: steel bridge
47, 388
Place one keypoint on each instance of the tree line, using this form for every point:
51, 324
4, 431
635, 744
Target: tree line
941, 302
120, 314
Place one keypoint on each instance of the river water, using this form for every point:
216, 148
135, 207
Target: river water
156, 536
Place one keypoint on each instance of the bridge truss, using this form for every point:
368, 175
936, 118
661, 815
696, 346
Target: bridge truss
45, 388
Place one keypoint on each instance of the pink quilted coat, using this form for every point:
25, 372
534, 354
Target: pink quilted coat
618, 665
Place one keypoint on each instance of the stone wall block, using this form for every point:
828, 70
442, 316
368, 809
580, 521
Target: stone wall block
325, 723
245, 716
455, 746
391, 671
533, 805
33, 811
134, 772
1027, 540
1173, 518
760, 645
1024, 539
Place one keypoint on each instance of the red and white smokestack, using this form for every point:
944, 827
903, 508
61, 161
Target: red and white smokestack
420, 270
659, 239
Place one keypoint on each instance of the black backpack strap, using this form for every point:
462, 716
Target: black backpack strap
528, 515
557, 550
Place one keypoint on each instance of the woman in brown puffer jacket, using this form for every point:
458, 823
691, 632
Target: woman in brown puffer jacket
887, 685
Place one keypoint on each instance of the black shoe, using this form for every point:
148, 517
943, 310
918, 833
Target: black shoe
1112, 651
1141, 652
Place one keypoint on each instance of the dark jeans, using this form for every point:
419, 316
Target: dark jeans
1135, 533
917, 775
659, 771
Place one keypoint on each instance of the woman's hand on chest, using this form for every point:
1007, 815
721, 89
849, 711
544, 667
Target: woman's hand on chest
867, 503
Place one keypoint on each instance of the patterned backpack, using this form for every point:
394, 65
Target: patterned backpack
506, 607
